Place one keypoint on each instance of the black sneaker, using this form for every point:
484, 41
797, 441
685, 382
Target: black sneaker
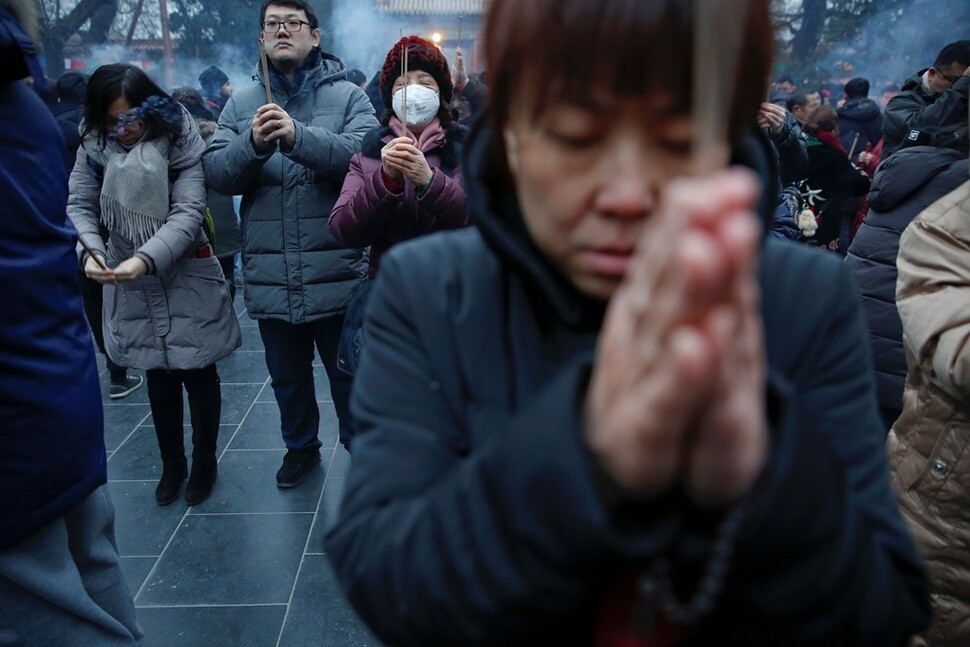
124, 387
297, 463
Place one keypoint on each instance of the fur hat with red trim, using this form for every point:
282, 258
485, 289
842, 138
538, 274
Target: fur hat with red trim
422, 55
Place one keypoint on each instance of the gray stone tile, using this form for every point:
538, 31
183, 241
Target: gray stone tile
247, 483
245, 626
120, 420
250, 338
340, 464
229, 559
261, 428
329, 509
243, 367
136, 569
138, 460
142, 527
319, 614
236, 399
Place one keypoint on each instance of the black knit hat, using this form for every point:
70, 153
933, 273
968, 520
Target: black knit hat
422, 55
212, 79
857, 88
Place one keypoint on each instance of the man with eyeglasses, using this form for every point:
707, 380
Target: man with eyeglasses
288, 158
936, 96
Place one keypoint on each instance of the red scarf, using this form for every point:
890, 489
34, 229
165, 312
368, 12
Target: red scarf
622, 615
831, 140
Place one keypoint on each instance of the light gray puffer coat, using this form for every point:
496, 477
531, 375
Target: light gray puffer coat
178, 316
294, 269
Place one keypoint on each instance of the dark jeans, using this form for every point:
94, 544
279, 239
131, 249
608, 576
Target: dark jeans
205, 407
229, 271
289, 355
92, 298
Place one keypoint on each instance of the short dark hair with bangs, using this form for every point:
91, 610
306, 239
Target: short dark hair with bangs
311, 15
542, 50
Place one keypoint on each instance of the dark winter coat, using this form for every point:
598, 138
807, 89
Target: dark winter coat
368, 214
69, 116
841, 184
221, 207
916, 107
792, 152
472, 507
905, 185
293, 267
52, 453
862, 118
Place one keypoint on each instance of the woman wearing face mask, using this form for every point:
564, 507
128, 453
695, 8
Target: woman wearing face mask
166, 306
405, 182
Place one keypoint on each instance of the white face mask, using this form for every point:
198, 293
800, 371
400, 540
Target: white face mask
423, 104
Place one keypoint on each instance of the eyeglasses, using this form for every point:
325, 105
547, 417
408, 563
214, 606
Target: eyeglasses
125, 124
292, 26
948, 79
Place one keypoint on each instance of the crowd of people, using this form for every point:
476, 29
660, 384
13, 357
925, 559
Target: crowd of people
615, 365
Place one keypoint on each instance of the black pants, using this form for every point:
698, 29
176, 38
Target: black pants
205, 407
289, 358
92, 298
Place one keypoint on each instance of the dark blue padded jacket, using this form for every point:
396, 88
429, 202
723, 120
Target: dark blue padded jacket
52, 453
474, 511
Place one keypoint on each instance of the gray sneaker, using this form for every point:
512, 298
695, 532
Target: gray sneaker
125, 386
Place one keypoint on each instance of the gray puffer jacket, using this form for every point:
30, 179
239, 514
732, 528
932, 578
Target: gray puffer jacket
178, 315
294, 269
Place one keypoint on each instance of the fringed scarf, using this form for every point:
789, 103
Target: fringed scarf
135, 192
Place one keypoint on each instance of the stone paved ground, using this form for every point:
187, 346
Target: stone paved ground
248, 566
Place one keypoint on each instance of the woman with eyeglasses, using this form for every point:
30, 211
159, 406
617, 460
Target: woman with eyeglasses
166, 305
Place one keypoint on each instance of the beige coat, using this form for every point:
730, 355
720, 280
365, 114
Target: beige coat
929, 446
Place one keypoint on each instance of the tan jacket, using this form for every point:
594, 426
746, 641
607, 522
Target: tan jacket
929, 446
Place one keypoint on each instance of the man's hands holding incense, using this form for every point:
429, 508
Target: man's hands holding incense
272, 124
677, 394
772, 117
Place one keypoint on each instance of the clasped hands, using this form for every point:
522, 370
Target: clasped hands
401, 158
272, 124
772, 117
677, 392
127, 270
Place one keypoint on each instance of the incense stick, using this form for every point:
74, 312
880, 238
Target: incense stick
718, 30
265, 65
855, 142
404, 111
459, 30
90, 252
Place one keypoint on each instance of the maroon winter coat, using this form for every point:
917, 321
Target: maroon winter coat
367, 213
